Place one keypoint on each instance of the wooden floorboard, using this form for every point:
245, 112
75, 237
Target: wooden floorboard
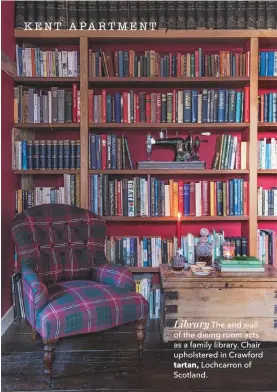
107, 361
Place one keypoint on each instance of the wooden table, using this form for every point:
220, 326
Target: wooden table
244, 304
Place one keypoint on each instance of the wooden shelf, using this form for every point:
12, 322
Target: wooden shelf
201, 127
267, 126
38, 126
137, 172
267, 218
267, 171
174, 219
143, 269
267, 81
46, 80
46, 172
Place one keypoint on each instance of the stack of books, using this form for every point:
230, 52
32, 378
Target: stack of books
240, 264
146, 286
268, 63
267, 153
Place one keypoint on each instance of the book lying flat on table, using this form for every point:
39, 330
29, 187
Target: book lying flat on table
240, 264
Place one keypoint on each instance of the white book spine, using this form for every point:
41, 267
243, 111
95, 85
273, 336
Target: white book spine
60, 67
142, 196
266, 202
180, 107
129, 108
199, 111
243, 155
275, 202
131, 210
198, 204
260, 191
153, 252
146, 198
166, 200
69, 64
36, 108
49, 106
234, 153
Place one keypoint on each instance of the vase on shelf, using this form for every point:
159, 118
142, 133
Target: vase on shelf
204, 248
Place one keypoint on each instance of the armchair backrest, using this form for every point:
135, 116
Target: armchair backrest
60, 242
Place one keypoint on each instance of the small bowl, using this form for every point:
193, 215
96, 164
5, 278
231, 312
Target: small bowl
201, 264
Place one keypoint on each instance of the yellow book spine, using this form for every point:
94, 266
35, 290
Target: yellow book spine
175, 198
212, 198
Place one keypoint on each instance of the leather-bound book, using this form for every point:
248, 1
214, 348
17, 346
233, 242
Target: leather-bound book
123, 12
40, 11
191, 15
251, 15
143, 11
82, 13
92, 12
133, 11
231, 15
211, 14
181, 15
201, 15
161, 5
171, 14
72, 13
103, 11
261, 15
31, 13
241, 21
152, 13
50, 15
220, 15
270, 15
62, 15
113, 13
19, 14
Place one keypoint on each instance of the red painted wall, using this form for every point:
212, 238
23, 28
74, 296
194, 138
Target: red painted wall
8, 179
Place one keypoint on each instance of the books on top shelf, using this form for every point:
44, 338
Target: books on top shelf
267, 201
33, 105
46, 154
68, 194
34, 62
267, 153
109, 152
240, 264
153, 197
267, 107
230, 153
200, 63
267, 63
267, 246
177, 106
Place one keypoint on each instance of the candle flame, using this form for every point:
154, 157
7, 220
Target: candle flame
179, 215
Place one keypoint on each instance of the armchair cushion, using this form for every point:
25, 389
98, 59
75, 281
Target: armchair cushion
114, 275
82, 306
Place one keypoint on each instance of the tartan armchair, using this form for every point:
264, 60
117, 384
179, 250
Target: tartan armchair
69, 287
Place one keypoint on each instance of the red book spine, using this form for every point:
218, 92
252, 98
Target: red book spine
104, 152
181, 197
247, 104
174, 106
137, 108
148, 108
115, 198
205, 198
196, 62
119, 203
245, 198
178, 64
158, 109
74, 102
104, 93
192, 198
125, 107
90, 106
78, 106
170, 64
238, 156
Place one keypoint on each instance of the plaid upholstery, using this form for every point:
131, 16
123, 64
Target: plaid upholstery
78, 307
61, 250
114, 275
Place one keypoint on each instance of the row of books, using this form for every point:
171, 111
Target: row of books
267, 201
267, 246
150, 291
267, 107
187, 106
154, 197
109, 152
230, 153
153, 251
268, 63
240, 264
34, 62
17, 297
46, 154
164, 14
129, 63
267, 153
68, 194
56, 105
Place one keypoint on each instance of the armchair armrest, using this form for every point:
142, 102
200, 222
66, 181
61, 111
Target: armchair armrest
35, 292
114, 275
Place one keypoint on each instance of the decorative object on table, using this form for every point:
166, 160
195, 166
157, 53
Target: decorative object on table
228, 249
204, 248
178, 262
201, 269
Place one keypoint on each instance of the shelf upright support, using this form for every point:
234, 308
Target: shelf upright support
253, 133
84, 121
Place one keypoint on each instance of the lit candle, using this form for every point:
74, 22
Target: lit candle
179, 230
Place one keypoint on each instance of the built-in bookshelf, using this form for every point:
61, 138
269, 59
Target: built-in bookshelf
250, 131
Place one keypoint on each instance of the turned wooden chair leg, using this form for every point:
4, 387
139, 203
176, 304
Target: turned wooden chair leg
49, 356
141, 335
33, 334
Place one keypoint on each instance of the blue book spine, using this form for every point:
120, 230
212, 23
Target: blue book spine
204, 106
194, 106
125, 63
266, 99
117, 107
132, 252
136, 66
266, 63
120, 64
219, 197
95, 194
262, 66
109, 108
98, 144
226, 107
231, 197
238, 106
145, 258
20, 62
186, 199
114, 152
270, 109
234, 66
187, 106
52, 196
271, 64
156, 197
24, 154
235, 196
93, 152
239, 197
221, 105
